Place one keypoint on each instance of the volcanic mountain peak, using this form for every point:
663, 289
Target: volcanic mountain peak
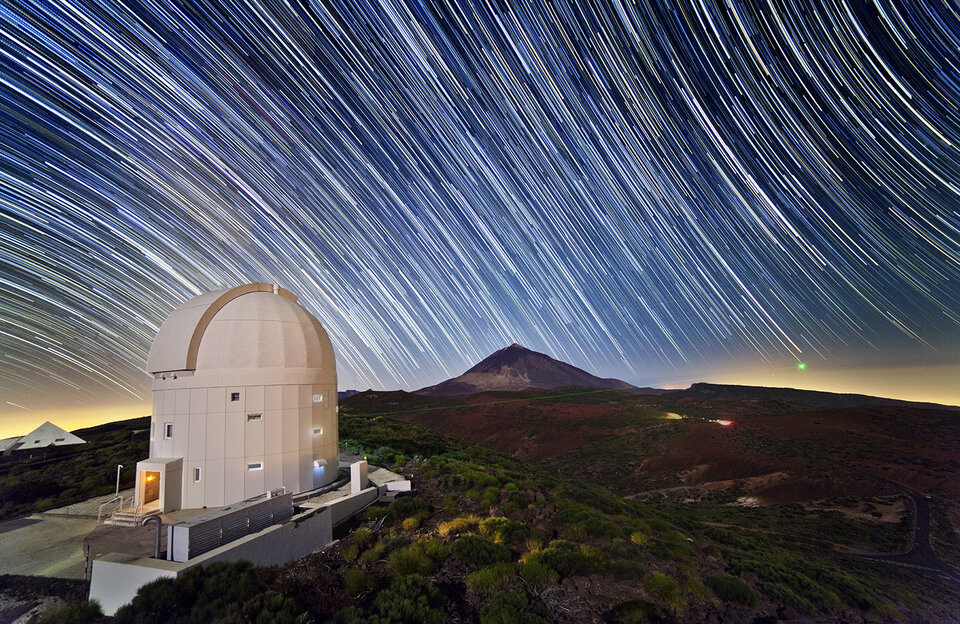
518, 368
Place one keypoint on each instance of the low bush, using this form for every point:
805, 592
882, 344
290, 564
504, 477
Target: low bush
408, 506
732, 589
502, 530
356, 582
622, 570
458, 525
410, 560
568, 559
537, 575
74, 613
480, 550
363, 536
494, 578
662, 587
510, 607
408, 600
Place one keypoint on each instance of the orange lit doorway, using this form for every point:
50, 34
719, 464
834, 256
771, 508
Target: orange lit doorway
150, 486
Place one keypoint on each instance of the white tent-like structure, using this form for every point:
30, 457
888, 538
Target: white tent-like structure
44, 436
244, 401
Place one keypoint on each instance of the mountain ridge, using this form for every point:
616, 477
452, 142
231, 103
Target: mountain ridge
516, 368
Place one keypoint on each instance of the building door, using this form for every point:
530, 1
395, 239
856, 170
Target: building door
150, 486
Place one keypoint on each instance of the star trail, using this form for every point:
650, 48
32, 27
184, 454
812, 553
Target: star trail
632, 187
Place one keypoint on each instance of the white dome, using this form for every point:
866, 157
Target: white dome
263, 330
255, 326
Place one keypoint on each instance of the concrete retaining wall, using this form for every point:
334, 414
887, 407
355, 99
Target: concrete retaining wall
116, 578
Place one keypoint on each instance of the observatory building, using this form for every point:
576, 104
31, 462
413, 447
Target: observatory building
244, 401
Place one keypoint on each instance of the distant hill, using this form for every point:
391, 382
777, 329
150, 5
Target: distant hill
516, 368
811, 398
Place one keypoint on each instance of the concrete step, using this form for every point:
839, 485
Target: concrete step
128, 518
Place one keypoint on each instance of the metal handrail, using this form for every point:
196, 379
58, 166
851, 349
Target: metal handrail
100, 509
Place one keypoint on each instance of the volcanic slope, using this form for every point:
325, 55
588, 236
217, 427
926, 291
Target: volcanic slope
518, 368
667, 447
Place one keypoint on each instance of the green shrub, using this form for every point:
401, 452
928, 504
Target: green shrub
568, 559
409, 560
480, 550
433, 548
622, 570
350, 552
372, 555
639, 538
407, 506
732, 589
662, 587
272, 607
536, 575
639, 611
408, 600
356, 582
199, 595
398, 541
74, 613
509, 607
494, 578
363, 536
458, 525
502, 530
376, 513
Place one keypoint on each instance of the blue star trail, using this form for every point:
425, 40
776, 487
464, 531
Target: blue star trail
628, 186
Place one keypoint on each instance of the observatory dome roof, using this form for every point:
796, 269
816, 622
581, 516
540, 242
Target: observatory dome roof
247, 327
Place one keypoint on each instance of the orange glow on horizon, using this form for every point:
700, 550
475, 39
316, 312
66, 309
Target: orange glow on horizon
17, 422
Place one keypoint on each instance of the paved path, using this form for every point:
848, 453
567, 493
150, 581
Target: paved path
49, 543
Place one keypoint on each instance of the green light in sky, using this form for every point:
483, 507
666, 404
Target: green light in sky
801, 366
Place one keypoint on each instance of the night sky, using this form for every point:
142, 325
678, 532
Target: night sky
655, 192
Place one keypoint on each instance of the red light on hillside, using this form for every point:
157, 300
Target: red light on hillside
725, 423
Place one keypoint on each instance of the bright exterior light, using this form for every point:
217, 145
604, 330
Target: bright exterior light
725, 423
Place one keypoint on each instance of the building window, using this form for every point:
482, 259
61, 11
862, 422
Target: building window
318, 431
255, 466
254, 417
318, 398
234, 397
196, 474
168, 430
59, 439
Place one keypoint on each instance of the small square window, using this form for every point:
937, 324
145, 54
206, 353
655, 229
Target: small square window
254, 417
168, 430
196, 474
318, 431
234, 397
255, 466
318, 398
59, 439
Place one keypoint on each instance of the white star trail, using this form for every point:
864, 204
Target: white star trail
629, 186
